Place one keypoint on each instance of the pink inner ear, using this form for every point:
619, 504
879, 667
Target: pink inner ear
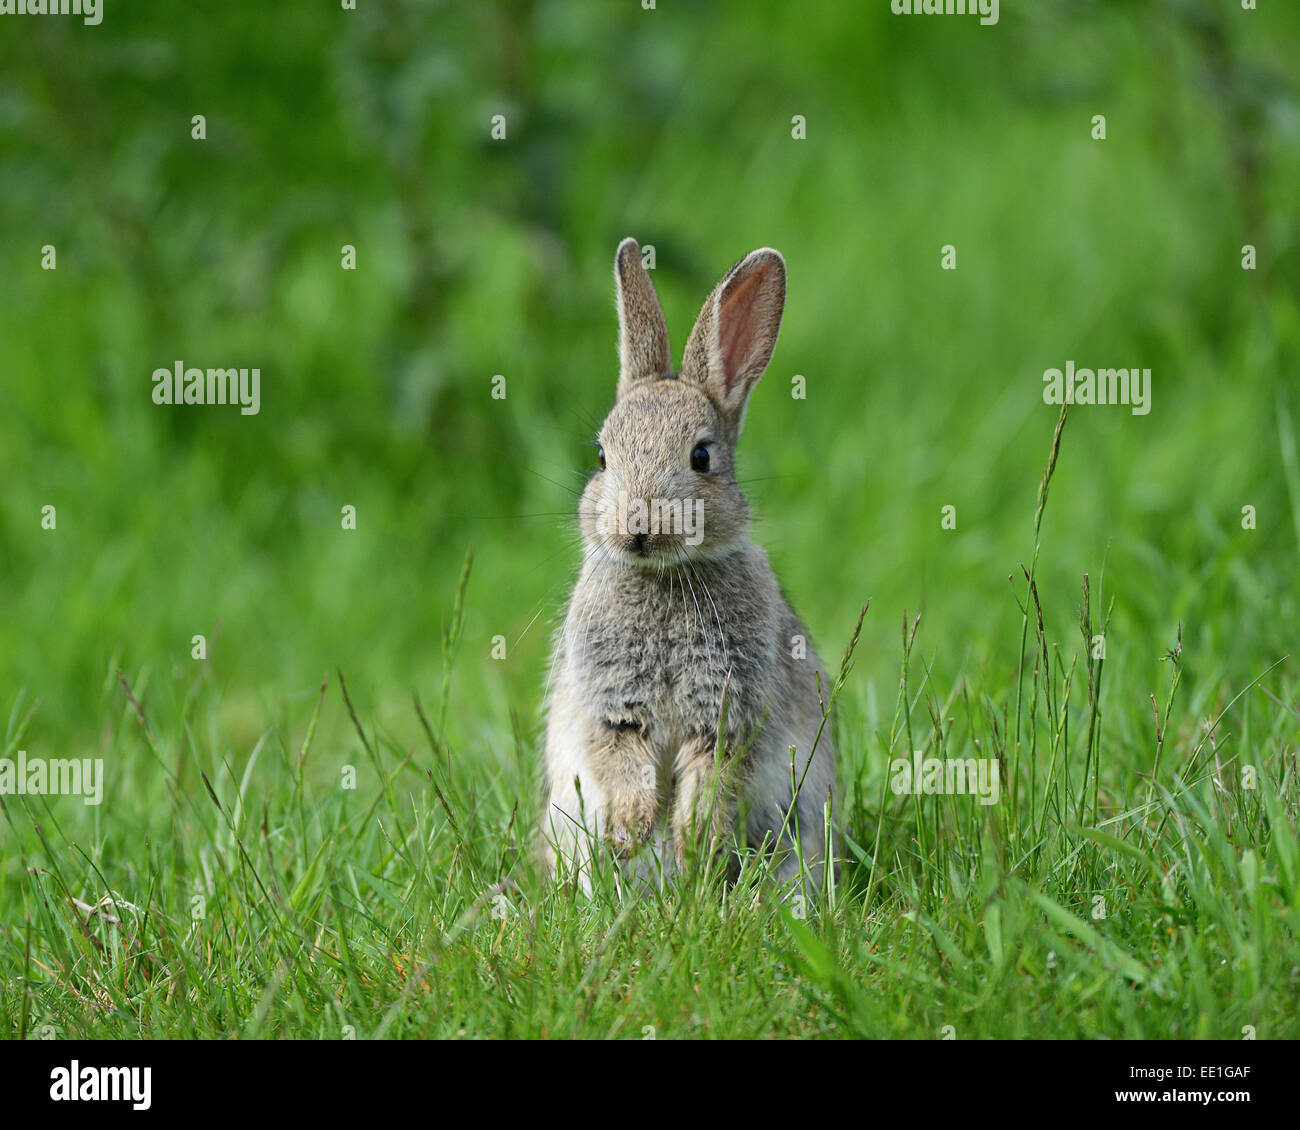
740, 320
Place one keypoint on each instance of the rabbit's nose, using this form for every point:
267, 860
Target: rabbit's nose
638, 544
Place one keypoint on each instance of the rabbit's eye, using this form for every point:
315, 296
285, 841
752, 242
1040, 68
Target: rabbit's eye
601, 452
700, 458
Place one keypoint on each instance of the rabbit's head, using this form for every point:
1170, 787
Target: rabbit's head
666, 490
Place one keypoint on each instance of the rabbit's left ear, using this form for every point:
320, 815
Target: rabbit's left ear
642, 335
735, 334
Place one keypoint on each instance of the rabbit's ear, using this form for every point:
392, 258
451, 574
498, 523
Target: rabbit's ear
642, 335
733, 339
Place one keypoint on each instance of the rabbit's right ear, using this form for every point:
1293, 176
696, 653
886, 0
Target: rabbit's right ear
642, 334
735, 334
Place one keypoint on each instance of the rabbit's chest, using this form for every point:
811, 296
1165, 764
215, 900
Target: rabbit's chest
666, 657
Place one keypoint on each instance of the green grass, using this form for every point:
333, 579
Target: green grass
1130, 883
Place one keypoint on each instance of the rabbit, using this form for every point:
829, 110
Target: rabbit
667, 618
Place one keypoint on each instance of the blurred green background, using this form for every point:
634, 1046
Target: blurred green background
478, 257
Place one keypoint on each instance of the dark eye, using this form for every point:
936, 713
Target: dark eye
601, 452
700, 458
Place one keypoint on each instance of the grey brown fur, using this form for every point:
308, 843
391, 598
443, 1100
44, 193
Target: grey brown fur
658, 630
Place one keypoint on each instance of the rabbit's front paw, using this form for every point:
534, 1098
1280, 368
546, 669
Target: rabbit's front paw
623, 761
704, 807
631, 819
697, 832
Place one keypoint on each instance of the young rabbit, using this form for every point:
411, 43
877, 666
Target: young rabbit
668, 617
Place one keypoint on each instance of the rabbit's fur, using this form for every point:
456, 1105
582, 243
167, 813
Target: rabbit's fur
658, 629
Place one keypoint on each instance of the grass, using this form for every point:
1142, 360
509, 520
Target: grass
1140, 876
